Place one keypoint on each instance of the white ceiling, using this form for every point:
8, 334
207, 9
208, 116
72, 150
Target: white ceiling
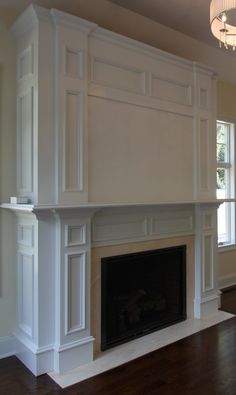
190, 17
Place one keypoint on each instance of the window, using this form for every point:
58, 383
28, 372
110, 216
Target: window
225, 182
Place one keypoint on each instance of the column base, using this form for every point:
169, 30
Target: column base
73, 355
206, 306
37, 360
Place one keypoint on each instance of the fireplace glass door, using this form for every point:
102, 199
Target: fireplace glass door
141, 293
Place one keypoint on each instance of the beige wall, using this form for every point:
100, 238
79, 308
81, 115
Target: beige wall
125, 22
226, 100
7, 174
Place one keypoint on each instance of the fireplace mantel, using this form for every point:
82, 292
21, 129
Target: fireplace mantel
116, 121
55, 245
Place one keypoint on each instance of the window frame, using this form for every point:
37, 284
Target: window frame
229, 199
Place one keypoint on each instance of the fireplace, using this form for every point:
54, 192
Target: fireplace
141, 292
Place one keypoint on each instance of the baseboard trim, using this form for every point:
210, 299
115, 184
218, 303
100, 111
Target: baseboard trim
227, 281
7, 346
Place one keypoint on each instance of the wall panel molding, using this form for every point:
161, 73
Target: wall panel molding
73, 142
75, 292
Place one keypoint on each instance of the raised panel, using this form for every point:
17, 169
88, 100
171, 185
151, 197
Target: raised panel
176, 224
203, 98
204, 154
26, 292
119, 228
118, 76
208, 222
26, 235
25, 141
173, 91
74, 63
75, 235
26, 63
75, 292
208, 268
73, 142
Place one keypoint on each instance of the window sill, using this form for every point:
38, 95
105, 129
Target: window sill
226, 247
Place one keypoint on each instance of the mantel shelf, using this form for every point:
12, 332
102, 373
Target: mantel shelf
55, 207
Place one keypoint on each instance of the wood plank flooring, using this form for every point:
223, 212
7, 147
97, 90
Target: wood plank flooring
201, 364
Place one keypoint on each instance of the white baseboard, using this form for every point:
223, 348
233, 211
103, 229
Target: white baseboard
227, 281
7, 346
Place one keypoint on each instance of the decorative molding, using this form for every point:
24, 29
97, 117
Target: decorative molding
73, 142
208, 221
75, 235
208, 262
177, 223
118, 76
26, 292
77, 343
25, 235
75, 291
71, 21
25, 169
119, 228
122, 228
25, 63
138, 47
74, 63
203, 98
171, 90
204, 150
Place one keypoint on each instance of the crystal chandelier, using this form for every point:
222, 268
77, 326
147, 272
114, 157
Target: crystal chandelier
223, 22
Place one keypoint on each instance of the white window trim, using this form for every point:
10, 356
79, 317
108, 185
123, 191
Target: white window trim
230, 164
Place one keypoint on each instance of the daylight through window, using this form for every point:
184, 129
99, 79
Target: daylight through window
225, 182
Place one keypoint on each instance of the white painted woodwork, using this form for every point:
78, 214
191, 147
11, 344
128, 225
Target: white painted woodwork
206, 285
71, 125
136, 163
25, 104
112, 120
205, 137
25, 292
109, 131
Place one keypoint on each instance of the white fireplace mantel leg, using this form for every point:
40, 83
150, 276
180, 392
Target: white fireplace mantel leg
206, 288
53, 320
73, 342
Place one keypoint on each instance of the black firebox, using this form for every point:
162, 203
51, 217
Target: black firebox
142, 292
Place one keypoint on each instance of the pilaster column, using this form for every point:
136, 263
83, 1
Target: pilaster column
73, 341
206, 288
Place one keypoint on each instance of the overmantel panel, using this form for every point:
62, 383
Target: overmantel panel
156, 114
152, 111
137, 75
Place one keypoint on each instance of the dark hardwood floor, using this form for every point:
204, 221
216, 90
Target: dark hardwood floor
201, 364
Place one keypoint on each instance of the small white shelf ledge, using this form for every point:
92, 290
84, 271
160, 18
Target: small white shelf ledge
33, 208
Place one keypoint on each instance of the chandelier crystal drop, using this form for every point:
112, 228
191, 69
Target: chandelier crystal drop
223, 22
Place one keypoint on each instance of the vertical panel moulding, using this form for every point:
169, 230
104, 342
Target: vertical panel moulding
73, 142
75, 292
207, 261
25, 292
25, 142
25, 64
74, 61
204, 154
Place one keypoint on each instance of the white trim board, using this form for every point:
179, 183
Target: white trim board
7, 346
